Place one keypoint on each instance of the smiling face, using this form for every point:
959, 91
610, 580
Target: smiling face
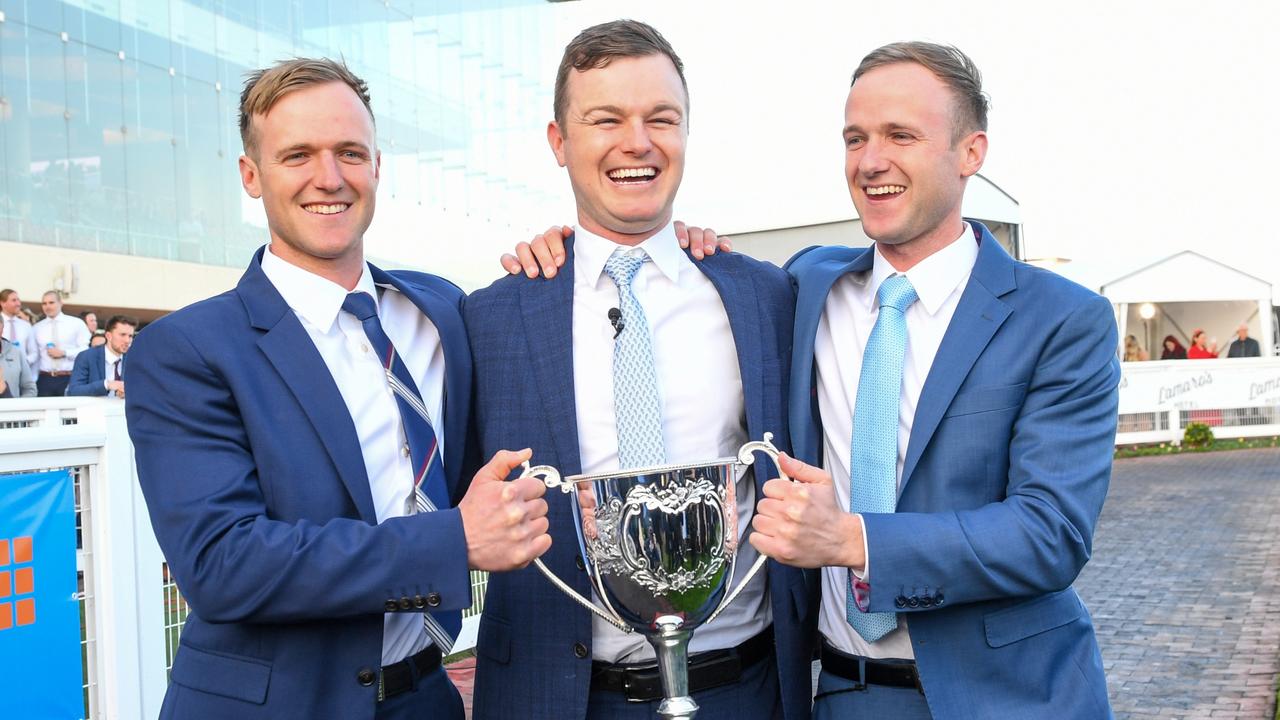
623, 143
316, 169
11, 304
905, 174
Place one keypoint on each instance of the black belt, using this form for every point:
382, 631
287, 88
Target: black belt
640, 682
400, 677
899, 673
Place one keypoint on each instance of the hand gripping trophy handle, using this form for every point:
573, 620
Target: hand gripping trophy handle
551, 478
746, 456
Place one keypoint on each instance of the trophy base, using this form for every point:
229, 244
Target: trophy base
678, 708
671, 645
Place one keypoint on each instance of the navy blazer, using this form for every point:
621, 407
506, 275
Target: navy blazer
521, 338
1006, 470
89, 373
257, 490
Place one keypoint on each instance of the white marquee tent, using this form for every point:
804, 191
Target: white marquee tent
1188, 291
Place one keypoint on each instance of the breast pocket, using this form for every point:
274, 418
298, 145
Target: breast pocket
987, 399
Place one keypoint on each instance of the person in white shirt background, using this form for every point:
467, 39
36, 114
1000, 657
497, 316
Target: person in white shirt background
17, 329
60, 338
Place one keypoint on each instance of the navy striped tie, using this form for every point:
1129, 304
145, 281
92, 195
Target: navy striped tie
430, 488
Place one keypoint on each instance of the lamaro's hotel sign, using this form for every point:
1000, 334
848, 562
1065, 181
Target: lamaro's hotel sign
1199, 384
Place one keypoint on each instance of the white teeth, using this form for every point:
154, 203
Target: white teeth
632, 172
886, 190
326, 209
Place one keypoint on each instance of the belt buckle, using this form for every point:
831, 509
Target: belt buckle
641, 685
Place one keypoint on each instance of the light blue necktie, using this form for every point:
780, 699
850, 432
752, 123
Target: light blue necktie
635, 378
873, 458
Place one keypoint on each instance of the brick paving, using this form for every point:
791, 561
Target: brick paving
1184, 585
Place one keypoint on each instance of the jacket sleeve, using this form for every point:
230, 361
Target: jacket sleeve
1038, 538
234, 557
82, 382
26, 378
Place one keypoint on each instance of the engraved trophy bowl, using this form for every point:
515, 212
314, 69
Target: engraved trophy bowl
659, 545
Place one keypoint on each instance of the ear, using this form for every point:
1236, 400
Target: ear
249, 177
556, 140
377, 165
974, 149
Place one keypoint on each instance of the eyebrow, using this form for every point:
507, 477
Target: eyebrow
344, 145
661, 107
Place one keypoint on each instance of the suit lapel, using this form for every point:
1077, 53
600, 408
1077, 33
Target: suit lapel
978, 316
546, 311
444, 314
291, 352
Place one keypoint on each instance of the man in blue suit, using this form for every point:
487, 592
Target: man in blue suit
100, 370
556, 371
302, 443
965, 405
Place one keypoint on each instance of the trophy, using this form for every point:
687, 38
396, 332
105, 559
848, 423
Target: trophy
659, 545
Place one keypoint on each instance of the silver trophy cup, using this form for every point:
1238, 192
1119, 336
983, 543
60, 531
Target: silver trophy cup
659, 546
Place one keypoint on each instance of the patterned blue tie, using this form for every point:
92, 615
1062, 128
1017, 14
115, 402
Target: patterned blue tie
873, 466
430, 489
635, 378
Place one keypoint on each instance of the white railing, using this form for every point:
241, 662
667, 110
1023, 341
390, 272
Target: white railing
1237, 398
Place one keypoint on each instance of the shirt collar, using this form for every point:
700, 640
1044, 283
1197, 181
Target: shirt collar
316, 299
109, 354
933, 278
591, 252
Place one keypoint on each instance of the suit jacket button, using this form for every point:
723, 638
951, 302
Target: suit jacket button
900, 601
419, 601
365, 677
433, 599
391, 606
926, 601
579, 651
938, 599
913, 601
579, 563
405, 603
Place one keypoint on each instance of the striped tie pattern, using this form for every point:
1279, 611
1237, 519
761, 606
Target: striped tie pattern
873, 466
635, 376
430, 489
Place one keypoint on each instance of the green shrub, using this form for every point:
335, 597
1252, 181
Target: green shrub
1197, 435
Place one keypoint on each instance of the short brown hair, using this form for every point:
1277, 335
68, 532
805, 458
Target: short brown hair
5, 293
264, 88
951, 66
121, 320
599, 45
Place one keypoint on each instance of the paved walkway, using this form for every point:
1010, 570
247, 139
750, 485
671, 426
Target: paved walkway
1184, 585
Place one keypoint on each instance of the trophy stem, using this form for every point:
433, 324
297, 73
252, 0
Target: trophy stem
671, 645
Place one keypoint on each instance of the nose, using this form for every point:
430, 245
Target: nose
636, 140
328, 174
874, 158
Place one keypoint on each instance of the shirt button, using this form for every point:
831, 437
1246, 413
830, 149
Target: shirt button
364, 347
405, 450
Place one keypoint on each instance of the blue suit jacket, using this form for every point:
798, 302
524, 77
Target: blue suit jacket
1005, 474
89, 373
256, 485
521, 338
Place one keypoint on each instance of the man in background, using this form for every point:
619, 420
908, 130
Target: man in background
1244, 346
16, 378
60, 338
17, 329
100, 370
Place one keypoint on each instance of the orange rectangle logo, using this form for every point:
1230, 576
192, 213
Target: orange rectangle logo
22, 550
26, 612
24, 581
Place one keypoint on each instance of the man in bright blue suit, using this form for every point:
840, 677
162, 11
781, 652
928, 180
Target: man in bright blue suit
965, 405
100, 370
302, 443
558, 370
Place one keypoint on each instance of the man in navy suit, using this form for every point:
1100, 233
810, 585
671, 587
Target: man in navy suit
1005, 399
100, 370
289, 436
545, 356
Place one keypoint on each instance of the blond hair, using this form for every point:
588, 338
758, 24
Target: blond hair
264, 88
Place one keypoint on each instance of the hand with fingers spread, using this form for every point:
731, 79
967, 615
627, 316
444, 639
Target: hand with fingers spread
801, 524
544, 254
505, 523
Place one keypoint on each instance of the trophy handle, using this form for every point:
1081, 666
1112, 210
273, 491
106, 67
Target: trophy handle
551, 478
746, 456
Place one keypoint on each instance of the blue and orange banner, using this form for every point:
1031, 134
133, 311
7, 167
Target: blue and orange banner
39, 606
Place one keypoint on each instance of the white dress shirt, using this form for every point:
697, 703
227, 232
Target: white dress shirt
18, 331
359, 375
847, 320
703, 414
111, 360
64, 332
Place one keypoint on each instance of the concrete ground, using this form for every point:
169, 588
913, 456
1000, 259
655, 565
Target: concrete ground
1184, 587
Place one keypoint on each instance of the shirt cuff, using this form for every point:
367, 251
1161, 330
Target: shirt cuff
866, 554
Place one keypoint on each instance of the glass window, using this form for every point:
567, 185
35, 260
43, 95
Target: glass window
95, 163
149, 159
102, 25
44, 134
145, 30
199, 173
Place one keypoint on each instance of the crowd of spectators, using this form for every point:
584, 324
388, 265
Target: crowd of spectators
53, 353
1202, 347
